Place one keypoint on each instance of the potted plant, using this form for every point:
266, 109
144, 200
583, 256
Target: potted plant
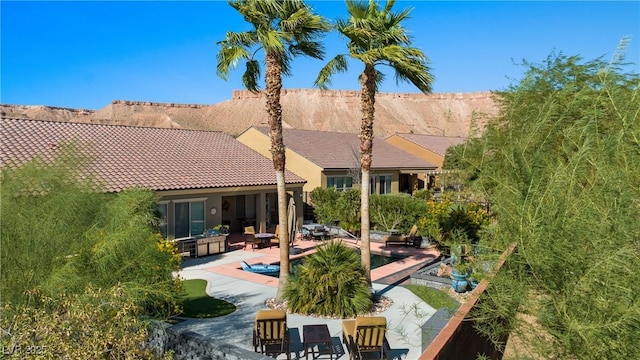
475, 277
220, 229
462, 260
459, 275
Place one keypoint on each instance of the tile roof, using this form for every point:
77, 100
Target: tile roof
336, 150
435, 143
156, 158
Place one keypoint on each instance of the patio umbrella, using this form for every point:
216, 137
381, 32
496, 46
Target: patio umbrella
292, 222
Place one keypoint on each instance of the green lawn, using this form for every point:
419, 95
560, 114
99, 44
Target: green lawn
197, 304
435, 298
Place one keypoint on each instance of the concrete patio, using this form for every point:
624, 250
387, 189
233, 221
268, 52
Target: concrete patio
249, 291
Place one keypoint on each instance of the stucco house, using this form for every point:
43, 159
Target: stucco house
203, 178
431, 148
332, 159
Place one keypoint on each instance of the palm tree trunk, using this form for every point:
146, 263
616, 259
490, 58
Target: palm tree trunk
367, 103
273, 80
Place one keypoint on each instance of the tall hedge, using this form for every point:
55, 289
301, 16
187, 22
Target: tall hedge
561, 166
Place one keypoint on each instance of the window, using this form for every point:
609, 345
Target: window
188, 218
340, 183
380, 184
162, 213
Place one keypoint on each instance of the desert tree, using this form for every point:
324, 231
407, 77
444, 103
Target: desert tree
375, 36
83, 269
560, 165
281, 30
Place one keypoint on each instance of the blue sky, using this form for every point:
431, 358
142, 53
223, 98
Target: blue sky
84, 54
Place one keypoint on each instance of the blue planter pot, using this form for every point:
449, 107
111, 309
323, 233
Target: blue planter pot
473, 284
459, 281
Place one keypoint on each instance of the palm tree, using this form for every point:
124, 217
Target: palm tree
329, 283
283, 30
375, 37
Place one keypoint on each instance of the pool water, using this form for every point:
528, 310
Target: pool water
376, 262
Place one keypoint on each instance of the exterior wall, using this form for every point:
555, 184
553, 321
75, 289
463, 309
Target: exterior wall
294, 162
233, 205
416, 150
314, 174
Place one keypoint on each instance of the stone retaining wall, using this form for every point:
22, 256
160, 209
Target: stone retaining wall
188, 345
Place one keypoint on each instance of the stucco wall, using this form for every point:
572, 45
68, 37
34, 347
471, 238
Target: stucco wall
294, 163
416, 150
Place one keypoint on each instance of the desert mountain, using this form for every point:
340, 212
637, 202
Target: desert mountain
450, 114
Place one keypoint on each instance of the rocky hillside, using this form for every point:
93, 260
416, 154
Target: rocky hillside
434, 114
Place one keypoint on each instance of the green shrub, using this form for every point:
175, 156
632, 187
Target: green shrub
324, 204
422, 194
80, 267
94, 324
395, 211
468, 218
331, 282
349, 210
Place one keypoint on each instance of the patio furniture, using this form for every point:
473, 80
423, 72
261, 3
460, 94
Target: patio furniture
250, 237
264, 239
266, 269
405, 240
275, 240
313, 231
270, 333
366, 334
316, 335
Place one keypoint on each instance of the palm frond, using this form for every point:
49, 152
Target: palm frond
285, 64
416, 74
376, 37
380, 77
389, 6
312, 49
410, 65
394, 19
246, 38
272, 41
336, 65
283, 29
258, 13
228, 58
357, 9
295, 20
251, 76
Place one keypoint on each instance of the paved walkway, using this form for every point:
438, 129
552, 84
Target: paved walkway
248, 291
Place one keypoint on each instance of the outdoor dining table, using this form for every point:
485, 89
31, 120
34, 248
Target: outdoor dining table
316, 335
264, 238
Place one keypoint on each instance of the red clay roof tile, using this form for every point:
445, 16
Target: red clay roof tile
156, 158
336, 150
